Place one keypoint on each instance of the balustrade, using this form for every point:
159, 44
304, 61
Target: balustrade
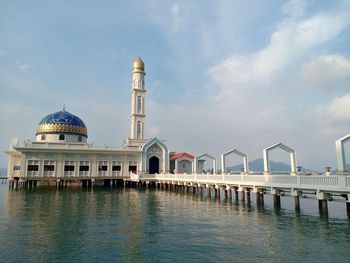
283, 181
69, 173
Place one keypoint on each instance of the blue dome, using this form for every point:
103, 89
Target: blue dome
62, 122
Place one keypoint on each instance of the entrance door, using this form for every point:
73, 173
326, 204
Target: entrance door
154, 165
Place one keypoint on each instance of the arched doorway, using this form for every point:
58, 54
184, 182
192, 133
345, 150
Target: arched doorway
154, 165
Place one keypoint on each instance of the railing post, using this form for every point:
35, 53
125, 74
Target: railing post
298, 180
341, 181
267, 177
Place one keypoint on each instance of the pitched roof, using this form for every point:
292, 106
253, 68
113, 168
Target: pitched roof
175, 156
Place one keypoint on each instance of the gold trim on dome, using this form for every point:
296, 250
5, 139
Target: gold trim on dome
47, 128
138, 64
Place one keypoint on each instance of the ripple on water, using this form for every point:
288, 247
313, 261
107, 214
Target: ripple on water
131, 225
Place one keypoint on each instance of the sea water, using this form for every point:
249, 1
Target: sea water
150, 225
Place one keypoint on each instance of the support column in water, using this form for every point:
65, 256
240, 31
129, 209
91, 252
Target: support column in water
296, 195
276, 193
322, 202
242, 190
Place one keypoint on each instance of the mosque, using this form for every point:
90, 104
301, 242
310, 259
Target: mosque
61, 148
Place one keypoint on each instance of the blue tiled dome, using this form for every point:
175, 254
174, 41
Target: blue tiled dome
62, 122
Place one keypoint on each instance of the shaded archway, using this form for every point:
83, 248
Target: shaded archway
153, 165
154, 147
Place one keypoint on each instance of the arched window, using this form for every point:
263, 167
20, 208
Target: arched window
139, 104
139, 129
142, 83
61, 137
43, 137
80, 138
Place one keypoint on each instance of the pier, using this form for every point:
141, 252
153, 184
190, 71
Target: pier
295, 184
323, 188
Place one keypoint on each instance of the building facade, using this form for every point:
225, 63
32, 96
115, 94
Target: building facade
61, 148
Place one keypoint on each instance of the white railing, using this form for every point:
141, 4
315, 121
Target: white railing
255, 179
49, 173
69, 173
32, 173
319, 182
84, 173
202, 177
102, 173
233, 178
116, 173
137, 176
287, 180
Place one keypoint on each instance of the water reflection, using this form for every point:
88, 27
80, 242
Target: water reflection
135, 225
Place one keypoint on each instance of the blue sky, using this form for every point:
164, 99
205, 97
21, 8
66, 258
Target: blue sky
220, 74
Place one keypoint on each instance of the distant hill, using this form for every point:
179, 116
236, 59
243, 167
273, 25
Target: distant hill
3, 172
258, 165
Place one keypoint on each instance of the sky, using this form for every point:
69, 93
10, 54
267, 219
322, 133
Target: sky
219, 74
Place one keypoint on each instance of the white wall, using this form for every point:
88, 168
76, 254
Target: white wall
55, 138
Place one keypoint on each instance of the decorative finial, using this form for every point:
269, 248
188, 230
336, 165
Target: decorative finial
138, 64
64, 108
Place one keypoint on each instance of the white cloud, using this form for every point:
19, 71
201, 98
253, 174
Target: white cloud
288, 44
24, 68
178, 16
295, 8
326, 72
336, 111
256, 104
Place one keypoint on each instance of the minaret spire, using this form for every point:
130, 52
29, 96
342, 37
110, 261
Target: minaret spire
138, 96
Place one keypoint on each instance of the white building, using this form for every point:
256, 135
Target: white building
61, 148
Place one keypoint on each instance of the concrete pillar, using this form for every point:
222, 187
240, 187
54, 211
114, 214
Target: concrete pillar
276, 197
227, 192
261, 198
218, 190
277, 200
322, 202
242, 190
236, 194
248, 195
296, 194
348, 209
297, 202
323, 206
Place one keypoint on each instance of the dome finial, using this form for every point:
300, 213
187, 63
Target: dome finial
139, 64
64, 108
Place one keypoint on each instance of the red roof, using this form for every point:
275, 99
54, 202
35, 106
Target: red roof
175, 156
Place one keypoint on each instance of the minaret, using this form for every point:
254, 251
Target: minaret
138, 95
